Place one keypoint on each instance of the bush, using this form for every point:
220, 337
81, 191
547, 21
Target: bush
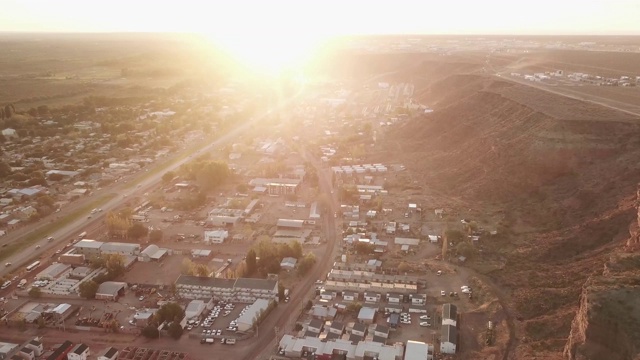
150, 332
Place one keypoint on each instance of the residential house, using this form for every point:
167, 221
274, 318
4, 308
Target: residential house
371, 297
27, 353
60, 353
350, 296
288, 263
323, 312
418, 299
337, 328
36, 345
395, 298
109, 353
359, 329
79, 352
367, 315
315, 326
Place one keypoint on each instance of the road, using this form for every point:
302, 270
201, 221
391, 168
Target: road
121, 192
286, 314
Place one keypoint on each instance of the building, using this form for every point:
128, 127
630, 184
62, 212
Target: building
60, 353
88, 248
242, 290
359, 330
286, 224
252, 315
448, 339
393, 320
449, 314
120, 248
288, 263
109, 353
223, 221
6, 349
314, 211
315, 326
194, 309
277, 186
52, 271
417, 350
110, 290
350, 296
338, 349
79, 352
142, 318
418, 299
367, 315
152, 253
27, 353
323, 312
36, 345
215, 236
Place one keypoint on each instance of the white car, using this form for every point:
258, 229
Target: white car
466, 291
403, 321
443, 293
425, 324
425, 317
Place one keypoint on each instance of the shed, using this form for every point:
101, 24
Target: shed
288, 263
194, 309
110, 290
367, 315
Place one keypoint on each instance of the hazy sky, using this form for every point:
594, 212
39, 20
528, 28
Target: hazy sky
318, 18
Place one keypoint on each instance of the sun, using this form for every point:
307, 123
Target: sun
271, 53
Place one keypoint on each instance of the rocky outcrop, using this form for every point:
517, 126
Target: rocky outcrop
607, 323
633, 244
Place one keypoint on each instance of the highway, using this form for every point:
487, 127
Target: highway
121, 193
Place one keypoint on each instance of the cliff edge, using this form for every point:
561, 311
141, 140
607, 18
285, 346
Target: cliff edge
607, 323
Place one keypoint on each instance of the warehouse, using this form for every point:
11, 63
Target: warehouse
111, 290
253, 312
52, 271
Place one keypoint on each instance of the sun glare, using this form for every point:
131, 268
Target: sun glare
269, 54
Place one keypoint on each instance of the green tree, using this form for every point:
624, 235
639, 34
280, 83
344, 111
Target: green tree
114, 263
354, 307
309, 305
281, 291
35, 293
150, 332
169, 312
175, 330
41, 322
137, 231
296, 249
306, 263
454, 236
155, 235
251, 262
88, 289
465, 249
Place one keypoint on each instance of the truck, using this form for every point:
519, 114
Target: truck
286, 295
22, 283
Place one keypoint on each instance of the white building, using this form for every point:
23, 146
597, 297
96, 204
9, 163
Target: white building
448, 339
241, 290
79, 352
417, 350
288, 263
109, 353
120, 248
194, 309
252, 314
215, 236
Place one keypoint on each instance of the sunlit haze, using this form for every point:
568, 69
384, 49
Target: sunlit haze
272, 34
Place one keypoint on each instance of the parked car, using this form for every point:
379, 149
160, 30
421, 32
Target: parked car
425, 324
443, 293
425, 317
